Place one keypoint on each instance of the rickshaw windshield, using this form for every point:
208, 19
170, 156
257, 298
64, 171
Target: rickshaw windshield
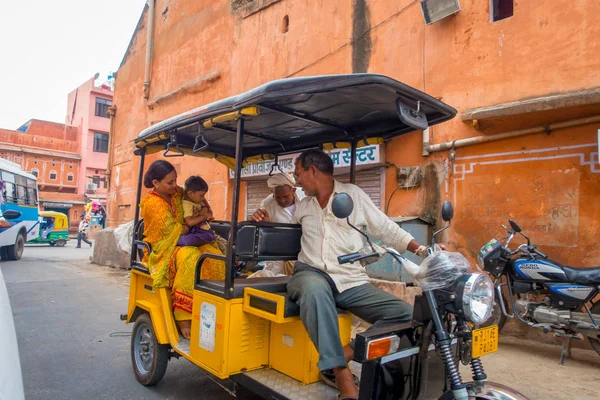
288, 116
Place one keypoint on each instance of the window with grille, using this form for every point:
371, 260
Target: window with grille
102, 106
100, 142
52, 175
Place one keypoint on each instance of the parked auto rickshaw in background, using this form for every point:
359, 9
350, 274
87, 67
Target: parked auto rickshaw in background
248, 329
54, 229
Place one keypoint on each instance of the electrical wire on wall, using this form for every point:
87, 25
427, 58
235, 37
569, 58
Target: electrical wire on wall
408, 182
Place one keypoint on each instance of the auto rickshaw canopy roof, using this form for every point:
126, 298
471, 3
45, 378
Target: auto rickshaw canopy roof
60, 220
294, 114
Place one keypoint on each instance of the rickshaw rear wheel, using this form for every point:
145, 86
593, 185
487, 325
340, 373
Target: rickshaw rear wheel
149, 358
52, 244
61, 242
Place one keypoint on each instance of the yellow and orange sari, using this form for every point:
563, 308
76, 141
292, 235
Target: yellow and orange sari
172, 266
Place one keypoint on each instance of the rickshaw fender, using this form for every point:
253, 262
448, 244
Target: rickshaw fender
156, 316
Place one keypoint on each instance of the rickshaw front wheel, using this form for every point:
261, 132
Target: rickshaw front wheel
149, 358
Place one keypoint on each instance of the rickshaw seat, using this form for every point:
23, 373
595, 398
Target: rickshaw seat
267, 241
264, 241
221, 228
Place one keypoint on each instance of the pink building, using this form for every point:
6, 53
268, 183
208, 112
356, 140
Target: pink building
87, 108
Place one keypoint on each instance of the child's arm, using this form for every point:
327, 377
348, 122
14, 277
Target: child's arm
199, 215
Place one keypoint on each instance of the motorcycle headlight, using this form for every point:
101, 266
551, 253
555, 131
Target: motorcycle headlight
480, 261
476, 295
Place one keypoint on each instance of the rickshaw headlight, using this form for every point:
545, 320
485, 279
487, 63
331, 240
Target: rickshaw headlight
477, 298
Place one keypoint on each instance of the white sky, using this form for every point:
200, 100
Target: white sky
49, 48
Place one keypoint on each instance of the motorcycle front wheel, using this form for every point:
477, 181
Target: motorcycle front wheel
487, 391
595, 342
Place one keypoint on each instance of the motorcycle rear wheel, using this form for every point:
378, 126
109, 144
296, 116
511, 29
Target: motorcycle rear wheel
595, 342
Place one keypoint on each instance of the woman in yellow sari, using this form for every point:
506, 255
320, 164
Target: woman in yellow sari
172, 266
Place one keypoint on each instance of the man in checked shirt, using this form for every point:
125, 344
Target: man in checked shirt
320, 283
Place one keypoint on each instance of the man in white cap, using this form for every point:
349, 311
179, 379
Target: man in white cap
280, 205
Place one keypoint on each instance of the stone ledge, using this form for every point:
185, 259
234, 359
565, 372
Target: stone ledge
106, 251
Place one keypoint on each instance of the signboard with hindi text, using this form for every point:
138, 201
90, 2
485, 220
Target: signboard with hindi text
341, 158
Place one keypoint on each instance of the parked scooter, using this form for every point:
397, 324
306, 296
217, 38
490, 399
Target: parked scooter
542, 293
455, 302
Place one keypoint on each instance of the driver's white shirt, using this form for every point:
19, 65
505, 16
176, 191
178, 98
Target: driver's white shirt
325, 237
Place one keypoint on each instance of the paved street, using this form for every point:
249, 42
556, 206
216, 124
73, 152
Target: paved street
73, 345
71, 341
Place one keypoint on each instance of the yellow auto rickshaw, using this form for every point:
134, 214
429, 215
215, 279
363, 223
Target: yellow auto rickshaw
249, 330
54, 229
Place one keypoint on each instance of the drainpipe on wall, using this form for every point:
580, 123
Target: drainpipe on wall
425, 142
149, 48
430, 148
112, 110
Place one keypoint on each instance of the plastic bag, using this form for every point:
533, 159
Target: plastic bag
264, 274
441, 269
124, 236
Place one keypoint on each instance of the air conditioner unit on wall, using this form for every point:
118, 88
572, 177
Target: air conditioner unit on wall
435, 10
91, 186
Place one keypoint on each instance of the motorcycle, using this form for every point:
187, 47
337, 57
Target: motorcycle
446, 318
542, 293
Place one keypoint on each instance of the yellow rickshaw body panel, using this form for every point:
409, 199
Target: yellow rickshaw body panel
142, 295
224, 339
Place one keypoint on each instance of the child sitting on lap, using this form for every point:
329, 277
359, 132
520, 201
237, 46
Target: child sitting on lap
196, 214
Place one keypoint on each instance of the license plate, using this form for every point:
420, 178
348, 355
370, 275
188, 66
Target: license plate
485, 341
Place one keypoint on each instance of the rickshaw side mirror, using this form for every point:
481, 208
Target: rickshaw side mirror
11, 214
447, 211
342, 205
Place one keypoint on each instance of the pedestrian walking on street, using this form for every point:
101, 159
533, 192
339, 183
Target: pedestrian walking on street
82, 232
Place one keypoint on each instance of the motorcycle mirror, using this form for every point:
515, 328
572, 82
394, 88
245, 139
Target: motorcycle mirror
447, 211
342, 205
11, 214
514, 226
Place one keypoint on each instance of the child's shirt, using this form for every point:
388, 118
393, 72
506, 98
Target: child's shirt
188, 211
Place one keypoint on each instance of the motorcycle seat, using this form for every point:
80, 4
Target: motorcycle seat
584, 276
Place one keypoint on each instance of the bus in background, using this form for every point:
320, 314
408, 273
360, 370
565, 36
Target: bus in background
18, 209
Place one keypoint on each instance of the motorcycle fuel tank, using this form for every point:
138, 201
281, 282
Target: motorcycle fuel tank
539, 270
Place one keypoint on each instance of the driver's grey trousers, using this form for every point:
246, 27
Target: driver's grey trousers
317, 296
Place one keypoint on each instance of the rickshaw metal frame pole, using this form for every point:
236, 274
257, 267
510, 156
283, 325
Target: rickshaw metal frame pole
353, 161
138, 197
231, 245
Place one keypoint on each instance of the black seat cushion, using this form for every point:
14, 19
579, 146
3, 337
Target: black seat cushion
584, 276
271, 285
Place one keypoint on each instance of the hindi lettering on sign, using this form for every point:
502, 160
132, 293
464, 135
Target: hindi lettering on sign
287, 164
340, 158
347, 156
335, 157
370, 151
